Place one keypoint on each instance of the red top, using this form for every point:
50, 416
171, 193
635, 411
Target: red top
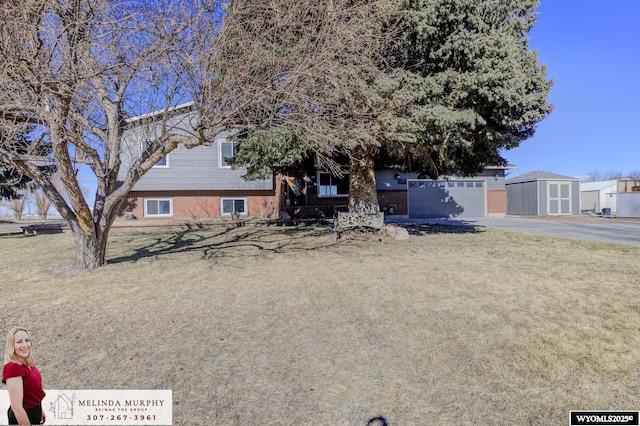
32, 382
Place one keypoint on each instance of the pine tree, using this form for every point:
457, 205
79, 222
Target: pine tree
452, 86
13, 182
467, 83
324, 113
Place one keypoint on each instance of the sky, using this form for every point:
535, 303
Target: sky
592, 51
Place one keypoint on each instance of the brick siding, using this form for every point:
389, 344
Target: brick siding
497, 201
398, 198
204, 204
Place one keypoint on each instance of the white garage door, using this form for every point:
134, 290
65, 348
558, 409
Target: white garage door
458, 198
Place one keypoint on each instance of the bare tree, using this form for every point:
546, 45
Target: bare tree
591, 176
22, 200
72, 73
17, 205
42, 204
82, 72
596, 175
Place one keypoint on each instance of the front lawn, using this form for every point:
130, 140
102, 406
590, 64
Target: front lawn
282, 326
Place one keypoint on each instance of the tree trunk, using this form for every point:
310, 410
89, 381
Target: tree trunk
90, 249
90, 239
363, 197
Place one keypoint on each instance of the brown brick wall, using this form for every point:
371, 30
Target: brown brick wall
398, 198
497, 201
205, 204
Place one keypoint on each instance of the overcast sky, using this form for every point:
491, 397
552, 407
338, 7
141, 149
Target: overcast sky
592, 50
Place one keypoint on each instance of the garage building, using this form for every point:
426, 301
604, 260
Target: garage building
596, 196
482, 195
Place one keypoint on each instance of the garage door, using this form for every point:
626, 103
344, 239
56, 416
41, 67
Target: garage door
459, 198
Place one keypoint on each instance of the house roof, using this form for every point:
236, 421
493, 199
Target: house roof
597, 186
177, 108
539, 175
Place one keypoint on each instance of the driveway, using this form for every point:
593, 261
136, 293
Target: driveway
603, 229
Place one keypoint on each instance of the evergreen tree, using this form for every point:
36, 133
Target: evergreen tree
467, 84
13, 181
455, 86
323, 113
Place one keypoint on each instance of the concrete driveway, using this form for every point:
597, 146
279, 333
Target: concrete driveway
603, 229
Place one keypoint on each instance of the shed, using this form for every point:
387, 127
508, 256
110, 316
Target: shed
540, 193
595, 196
628, 202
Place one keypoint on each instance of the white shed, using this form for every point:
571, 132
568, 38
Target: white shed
595, 196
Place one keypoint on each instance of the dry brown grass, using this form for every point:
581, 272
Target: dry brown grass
281, 326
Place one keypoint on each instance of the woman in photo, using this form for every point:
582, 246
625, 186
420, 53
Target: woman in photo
23, 379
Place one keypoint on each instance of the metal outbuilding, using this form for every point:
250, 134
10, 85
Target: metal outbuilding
540, 193
596, 196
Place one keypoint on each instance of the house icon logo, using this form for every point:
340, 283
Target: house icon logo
63, 407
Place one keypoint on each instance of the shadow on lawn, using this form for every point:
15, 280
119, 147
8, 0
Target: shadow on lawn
228, 242
428, 229
240, 242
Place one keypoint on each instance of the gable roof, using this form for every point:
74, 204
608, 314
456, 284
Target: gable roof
539, 175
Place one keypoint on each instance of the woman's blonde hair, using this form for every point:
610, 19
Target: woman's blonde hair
10, 354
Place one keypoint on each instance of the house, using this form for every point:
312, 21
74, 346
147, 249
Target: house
402, 194
198, 183
541, 193
195, 183
596, 196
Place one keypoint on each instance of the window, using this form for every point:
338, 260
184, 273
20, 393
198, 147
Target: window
163, 162
226, 152
332, 186
230, 205
158, 207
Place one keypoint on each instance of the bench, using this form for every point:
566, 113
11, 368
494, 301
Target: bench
43, 228
345, 221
